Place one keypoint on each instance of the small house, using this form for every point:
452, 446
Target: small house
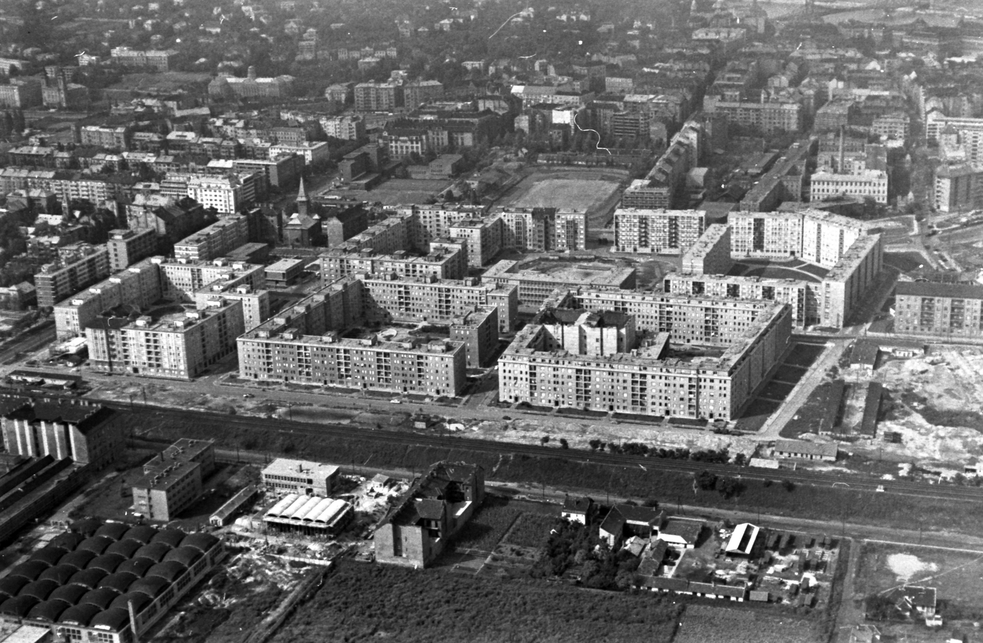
802, 450
625, 521
578, 510
680, 533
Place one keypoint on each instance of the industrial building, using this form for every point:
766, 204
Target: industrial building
747, 339
657, 230
300, 477
106, 582
172, 480
64, 429
536, 280
437, 505
309, 515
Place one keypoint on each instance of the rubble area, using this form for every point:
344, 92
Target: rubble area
934, 408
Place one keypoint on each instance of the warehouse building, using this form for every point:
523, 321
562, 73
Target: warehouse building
64, 429
106, 582
308, 515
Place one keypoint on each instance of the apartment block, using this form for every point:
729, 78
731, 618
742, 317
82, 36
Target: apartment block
537, 280
800, 295
157, 59
482, 239
846, 284
175, 346
435, 221
22, 93
227, 194
108, 138
215, 240
537, 369
378, 97
277, 352
126, 247
812, 235
180, 278
769, 116
657, 231
863, 183
64, 278
947, 310
543, 229
346, 128
135, 287
478, 331
958, 187
442, 263
389, 298
255, 303
711, 252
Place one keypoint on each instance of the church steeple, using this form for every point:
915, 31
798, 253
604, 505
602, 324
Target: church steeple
302, 201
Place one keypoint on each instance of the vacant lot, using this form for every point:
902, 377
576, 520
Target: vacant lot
958, 576
488, 525
706, 624
360, 602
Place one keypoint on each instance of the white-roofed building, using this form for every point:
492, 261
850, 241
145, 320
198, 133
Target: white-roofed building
310, 515
300, 476
743, 539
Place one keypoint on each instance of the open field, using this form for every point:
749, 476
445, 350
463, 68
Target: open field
711, 624
596, 191
958, 576
360, 601
489, 524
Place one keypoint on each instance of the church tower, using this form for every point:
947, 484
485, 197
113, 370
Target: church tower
302, 201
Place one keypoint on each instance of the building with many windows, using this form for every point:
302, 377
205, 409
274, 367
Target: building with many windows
133, 288
958, 187
174, 346
155, 58
543, 229
126, 247
744, 340
300, 476
56, 281
862, 183
172, 480
537, 279
657, 231
214, 241
944, 310
812, 235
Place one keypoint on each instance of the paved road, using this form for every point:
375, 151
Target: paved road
803, 388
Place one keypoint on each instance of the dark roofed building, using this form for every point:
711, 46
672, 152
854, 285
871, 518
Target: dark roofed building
19, 606
77, 430
88, 578
39, 589
59, 573
137, 566
119, 581
152, 586
79, 614
71, 594
79, 559
433, 509
114, 620
624, 521
579, 509
102, 597
29, 569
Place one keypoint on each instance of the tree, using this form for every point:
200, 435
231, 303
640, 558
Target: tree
740, 460
564, 444
788, 485
730, 487
595, 444
544, 440
652, 503
706, 481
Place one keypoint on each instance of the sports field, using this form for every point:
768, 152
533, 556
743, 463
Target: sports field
595, 191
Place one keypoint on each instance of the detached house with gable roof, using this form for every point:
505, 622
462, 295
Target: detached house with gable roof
625, 521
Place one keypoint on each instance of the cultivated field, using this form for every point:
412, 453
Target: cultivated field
706, 624
361, 602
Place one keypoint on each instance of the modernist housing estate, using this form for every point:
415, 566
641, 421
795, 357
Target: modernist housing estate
845, 260
620, 351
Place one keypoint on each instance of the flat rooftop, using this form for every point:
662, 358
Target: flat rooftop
576, 272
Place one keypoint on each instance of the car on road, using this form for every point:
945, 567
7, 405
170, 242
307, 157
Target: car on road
246, 396
395, 400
